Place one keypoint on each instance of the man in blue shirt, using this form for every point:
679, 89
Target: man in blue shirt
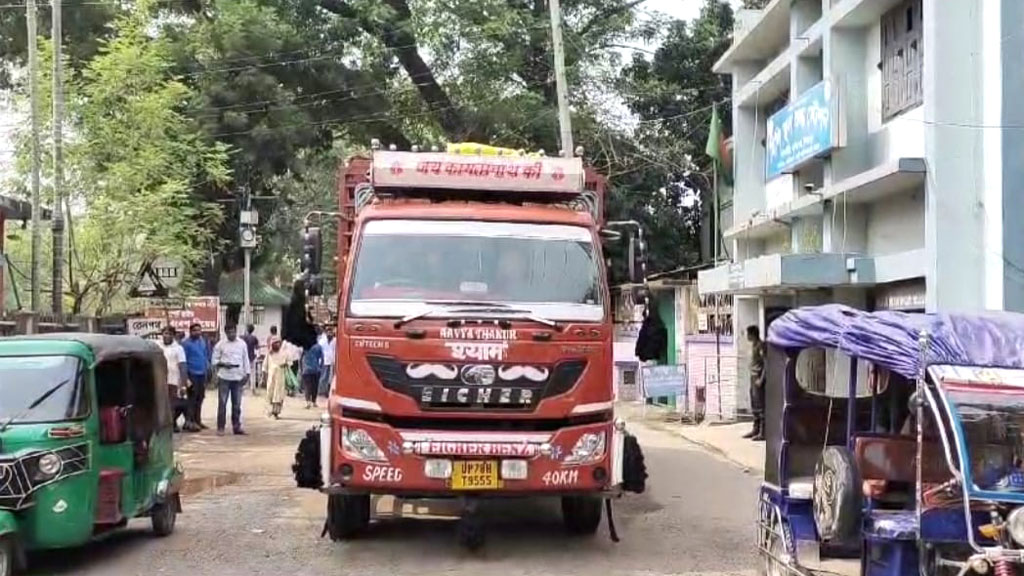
312, 365
197, 362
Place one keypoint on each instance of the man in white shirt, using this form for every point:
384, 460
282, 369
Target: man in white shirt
326, 342
231, 361
176, 373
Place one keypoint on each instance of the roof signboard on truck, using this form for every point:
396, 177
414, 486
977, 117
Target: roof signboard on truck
476, 172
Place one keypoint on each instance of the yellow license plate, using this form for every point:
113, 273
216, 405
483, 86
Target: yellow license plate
475, 475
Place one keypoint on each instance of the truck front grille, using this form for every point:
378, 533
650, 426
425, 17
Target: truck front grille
476, 387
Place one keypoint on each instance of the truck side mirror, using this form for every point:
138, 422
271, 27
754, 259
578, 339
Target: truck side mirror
312, 251
610, 235
637, 255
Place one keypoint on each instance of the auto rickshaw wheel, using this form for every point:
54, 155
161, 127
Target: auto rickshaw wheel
347, 515
164, 516
581, 514
836, 498
774, 556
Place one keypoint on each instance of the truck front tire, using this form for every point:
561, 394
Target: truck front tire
347, 515
581, 514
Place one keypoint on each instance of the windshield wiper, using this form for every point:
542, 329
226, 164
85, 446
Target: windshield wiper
438, 305
35, 403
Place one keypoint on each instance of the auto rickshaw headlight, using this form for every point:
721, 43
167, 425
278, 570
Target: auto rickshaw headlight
1015, 525
49, 465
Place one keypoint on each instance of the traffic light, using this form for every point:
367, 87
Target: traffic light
312, 251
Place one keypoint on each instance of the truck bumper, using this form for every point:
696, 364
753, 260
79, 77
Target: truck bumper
428, 464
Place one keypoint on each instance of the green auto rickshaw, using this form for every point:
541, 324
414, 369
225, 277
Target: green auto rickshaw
85, 441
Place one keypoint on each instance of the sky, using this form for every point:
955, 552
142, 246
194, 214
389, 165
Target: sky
685, 9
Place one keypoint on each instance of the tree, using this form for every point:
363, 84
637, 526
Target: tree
673, 94
282, 81
133, 159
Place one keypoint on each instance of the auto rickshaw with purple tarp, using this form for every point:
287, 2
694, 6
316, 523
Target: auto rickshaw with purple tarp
895, 444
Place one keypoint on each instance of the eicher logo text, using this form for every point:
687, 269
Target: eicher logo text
488, 395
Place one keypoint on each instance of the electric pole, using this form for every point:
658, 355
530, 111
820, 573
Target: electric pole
58, 161
561, 87
33, 95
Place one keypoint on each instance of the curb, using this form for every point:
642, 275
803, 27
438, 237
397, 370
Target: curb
706, 446
721, 454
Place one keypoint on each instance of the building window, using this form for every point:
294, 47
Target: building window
902, 43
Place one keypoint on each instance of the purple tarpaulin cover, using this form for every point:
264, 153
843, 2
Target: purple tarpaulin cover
890, 339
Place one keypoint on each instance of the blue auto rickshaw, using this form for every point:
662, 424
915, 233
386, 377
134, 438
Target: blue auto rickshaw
894, 444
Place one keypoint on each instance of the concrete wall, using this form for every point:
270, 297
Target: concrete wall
896, 225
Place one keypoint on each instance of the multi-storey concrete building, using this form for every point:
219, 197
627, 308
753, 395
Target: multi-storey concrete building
879, 157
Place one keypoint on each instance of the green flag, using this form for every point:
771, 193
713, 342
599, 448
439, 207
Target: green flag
714, 146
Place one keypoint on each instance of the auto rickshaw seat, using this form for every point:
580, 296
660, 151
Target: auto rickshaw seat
893, 458
112, 425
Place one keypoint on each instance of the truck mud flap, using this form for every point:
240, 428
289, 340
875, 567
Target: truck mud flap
307, 466
634, 468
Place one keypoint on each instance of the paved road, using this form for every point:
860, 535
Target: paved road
696, 519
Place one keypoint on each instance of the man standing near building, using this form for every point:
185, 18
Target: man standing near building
197, 362
757, 379
177, 373
326, 342
251, 342
231, 360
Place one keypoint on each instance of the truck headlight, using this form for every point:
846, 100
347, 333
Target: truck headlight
589, 448
1015, 525
47, 466
359, 445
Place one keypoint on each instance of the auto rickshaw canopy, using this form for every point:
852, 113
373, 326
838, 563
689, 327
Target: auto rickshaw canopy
892, 339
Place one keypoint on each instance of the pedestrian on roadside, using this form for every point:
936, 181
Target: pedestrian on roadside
177, 374
197, 363
276, 366
231, 360
757, 380
273, 335
326, 342
312, 366
251, 342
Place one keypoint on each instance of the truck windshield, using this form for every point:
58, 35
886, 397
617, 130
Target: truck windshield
993, 424
548, 270
23, 379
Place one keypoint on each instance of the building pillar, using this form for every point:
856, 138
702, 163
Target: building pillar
955, 208
1011, 42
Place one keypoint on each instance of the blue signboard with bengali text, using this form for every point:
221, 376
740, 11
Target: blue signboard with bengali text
802, 130
664, 381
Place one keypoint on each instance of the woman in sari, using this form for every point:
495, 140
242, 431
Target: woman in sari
276, 366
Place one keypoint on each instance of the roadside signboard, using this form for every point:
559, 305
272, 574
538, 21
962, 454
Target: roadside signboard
664, 381
149, 328
168, 270
183, 312
805, 129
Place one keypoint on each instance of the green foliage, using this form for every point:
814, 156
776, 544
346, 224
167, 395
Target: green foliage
673, 94
177, 107
133, 159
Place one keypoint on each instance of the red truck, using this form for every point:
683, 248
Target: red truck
474, 348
